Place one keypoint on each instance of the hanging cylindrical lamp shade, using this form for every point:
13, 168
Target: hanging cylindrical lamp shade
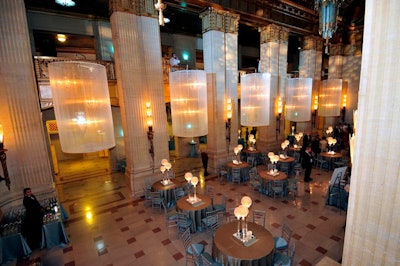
82, 106
298, 99
188, 89
255, 99
330, 97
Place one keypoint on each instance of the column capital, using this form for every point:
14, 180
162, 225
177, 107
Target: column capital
312, 42
336, 49
270, 33
355, 46
284, 35
137, 7
224, 21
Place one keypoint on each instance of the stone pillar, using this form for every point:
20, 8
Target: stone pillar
136, 38
310, 66
351, 72
27, 156
372, 227
273, 58
220, 46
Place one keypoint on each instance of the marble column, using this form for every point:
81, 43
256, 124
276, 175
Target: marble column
273, 58
310, 66
136, 38
27, 156
372, 227
220, 46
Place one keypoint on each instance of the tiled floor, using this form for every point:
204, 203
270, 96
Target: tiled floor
107, 227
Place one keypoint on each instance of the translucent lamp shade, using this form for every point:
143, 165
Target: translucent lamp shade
298, 99
330, 97
255, 99
82, 106
188, 89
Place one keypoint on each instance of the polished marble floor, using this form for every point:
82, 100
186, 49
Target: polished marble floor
107, 227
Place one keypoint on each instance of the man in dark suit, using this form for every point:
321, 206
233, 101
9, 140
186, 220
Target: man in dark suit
33, 221
307, 164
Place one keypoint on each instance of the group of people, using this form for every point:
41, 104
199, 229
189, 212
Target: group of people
171, 64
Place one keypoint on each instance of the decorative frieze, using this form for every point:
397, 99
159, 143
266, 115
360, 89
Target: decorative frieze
137, 7
213, 19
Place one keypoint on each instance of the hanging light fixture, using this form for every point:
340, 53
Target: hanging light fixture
160, 7
330, 97
298, 99
82, 106
188, 90
328, 11
255, 99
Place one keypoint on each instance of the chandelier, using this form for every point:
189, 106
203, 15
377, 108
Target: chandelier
328, 10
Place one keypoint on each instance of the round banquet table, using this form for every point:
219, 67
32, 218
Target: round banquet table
331, 157
166, 191
244, 170
286, 165
196, 212
267, 180
230, 251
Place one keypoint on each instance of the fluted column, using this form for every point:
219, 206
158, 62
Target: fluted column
136, 38
372, 227
27, 156
273, 56
220, 46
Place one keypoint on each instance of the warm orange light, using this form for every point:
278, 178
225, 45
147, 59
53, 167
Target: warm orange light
315, 102
149, 120
61, 37
229, 108
344, 100
280, 105
1, 134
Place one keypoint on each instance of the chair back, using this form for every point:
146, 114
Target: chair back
259, 217
179, 193
186, 238
236, 175
251, 161
286, 233
230, 215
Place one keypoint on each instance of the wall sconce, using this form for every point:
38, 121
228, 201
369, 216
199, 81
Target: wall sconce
3, 159
314, 113
150, 132
61, 37
343, 111
229, 121
278, 118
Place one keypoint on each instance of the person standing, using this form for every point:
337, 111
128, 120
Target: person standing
174, 62
33, 221
307, 164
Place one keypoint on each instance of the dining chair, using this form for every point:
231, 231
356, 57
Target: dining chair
171, 219
222, 173
251, 161
320, 162
204, 259
259, 217
147, 196
157, 202
236, 175
210, 191
255, 184
211, 221
191, 249
230, 215
292, 187
178, 193
183, 221
282, 242
277, 189
282, 259
221, 207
